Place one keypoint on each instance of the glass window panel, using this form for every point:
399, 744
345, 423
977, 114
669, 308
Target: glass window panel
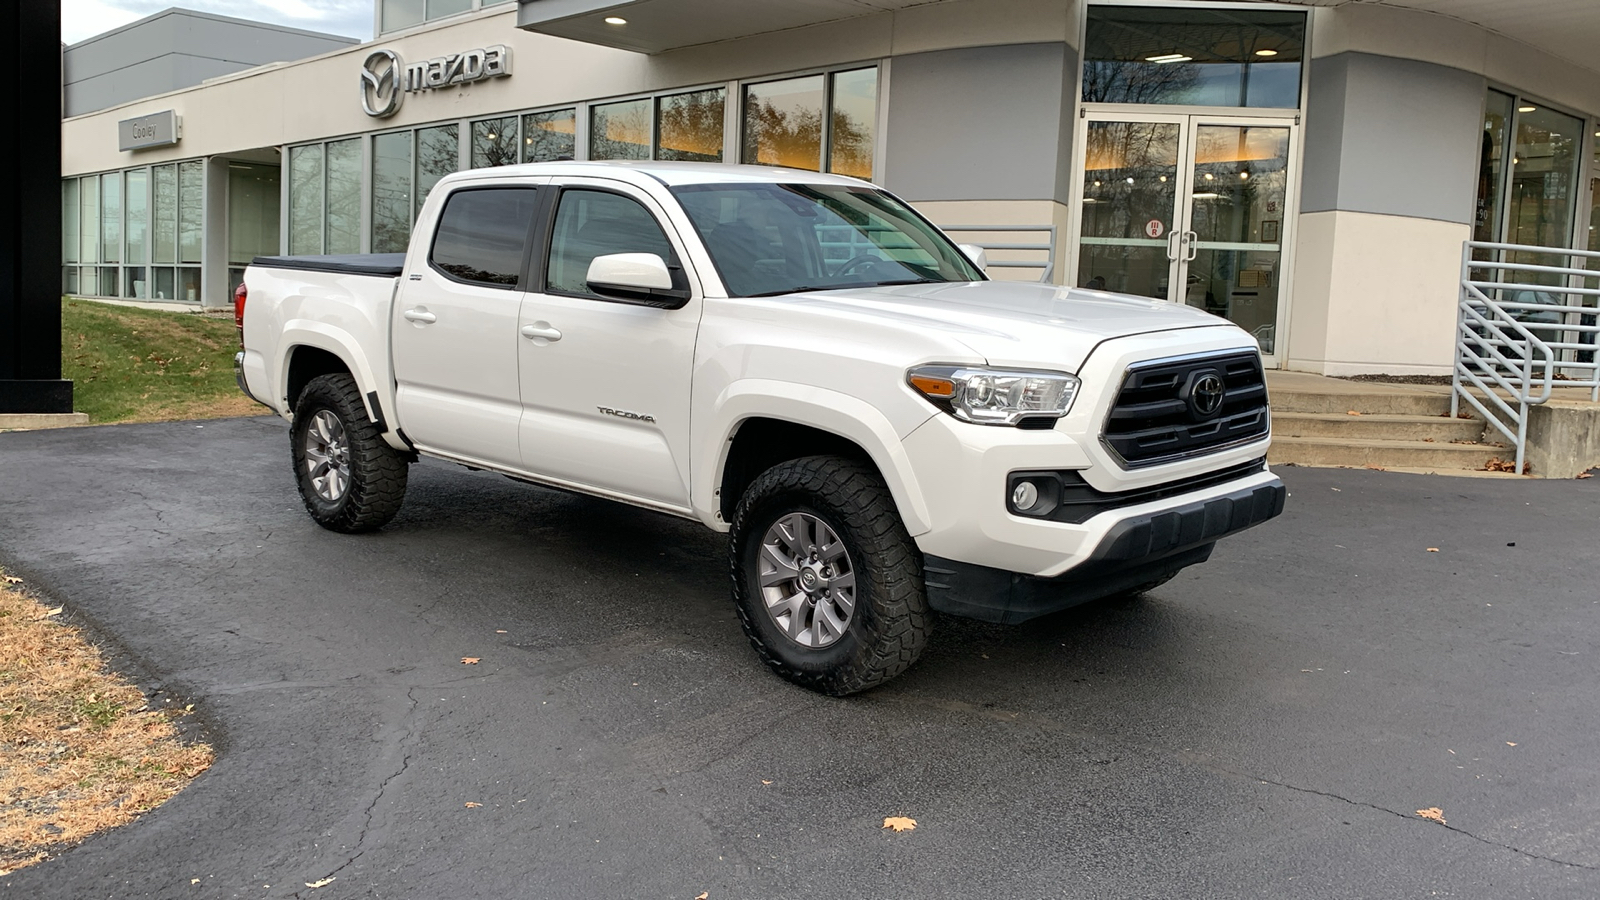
69, 279
1593, 242
438, 154
689, 126
166, 217
440, 8
1542, 193
494, 142
1130, 180
69, 222
1193, 57
253, 211
342, 234
134, 284
111, 217
483, 235
89, 281
89, 220
138, 216
305, 200
1491, 167
191, 210
620, 130
165, 284
853, 121
189, 284
391, 192
108, 282
550, 135
593, 223
399, 14
783, 123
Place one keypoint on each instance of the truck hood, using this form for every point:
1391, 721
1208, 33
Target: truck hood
1016, 323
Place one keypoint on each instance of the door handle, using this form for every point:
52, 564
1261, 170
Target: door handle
534, 332
1172, 248
1189, 241
420, 316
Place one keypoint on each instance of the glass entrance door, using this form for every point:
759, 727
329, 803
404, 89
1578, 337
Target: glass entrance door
1189, 209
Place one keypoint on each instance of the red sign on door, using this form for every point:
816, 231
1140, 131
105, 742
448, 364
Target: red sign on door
1155, 228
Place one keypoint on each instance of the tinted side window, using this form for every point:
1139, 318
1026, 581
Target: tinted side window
483, 233
595, 223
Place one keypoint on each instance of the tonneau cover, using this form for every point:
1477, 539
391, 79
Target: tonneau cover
380, 265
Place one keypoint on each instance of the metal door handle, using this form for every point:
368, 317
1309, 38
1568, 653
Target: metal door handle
1189, 241
420, 316
537, 331
1172, 249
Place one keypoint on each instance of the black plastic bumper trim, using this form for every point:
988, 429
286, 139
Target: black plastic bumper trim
1134, 552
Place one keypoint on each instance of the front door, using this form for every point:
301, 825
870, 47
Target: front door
1191, 209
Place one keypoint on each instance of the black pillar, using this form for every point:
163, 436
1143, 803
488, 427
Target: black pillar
30, 212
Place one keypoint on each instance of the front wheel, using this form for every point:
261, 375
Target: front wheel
827, 581
350, 479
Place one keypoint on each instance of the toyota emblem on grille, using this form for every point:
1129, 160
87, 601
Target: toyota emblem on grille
1206, 393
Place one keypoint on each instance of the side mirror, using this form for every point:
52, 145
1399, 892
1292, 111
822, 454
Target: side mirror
630, 271
976, 254
641, 278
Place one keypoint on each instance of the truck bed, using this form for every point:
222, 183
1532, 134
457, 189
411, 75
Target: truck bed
377, 265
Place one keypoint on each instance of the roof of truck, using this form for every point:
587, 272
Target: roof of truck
672, 174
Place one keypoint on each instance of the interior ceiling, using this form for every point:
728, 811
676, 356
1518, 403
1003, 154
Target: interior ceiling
1569, 29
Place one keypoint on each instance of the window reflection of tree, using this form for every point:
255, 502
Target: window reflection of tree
690, 126
621, 131
549, 135
438, 154
494, 142
778, 137
850, 150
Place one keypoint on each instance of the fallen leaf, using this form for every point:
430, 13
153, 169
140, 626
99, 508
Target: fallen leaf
1580, 475
471, 805
1352, 413
194, 881
12, 579
764, 781
1433, 549
470, 660
499, 631
702, 895
1511, 743
900, 823
323, 883
1433, 814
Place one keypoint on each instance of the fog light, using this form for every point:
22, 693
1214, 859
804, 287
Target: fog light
1024, 496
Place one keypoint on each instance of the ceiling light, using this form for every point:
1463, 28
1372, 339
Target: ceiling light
1207, 195
1163, 179
1526, 108
616, 20
1209, 176
491, 136
1244, 176
1266, 53
1168, 58
1130, 181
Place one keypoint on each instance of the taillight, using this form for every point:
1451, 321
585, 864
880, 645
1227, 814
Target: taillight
239, 296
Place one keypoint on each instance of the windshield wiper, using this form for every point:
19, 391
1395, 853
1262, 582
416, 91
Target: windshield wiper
911, 281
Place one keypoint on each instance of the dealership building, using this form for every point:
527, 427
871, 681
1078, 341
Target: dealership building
1308, 170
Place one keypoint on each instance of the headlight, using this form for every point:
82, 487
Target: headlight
995, 396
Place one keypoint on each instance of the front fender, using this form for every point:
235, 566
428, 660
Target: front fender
820, 408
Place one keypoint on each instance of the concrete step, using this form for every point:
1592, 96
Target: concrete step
1366, 402
1362, 453
1342, 425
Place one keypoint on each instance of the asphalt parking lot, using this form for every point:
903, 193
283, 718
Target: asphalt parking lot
1266, 725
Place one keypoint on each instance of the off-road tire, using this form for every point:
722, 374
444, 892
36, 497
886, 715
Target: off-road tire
377, 484
889, 627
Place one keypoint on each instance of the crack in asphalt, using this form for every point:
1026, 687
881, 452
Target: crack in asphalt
1412, 817
407, 737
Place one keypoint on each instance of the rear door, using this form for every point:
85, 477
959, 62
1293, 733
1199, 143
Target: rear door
605, 382
454, 331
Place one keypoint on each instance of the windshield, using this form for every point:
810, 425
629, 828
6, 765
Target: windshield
771, 239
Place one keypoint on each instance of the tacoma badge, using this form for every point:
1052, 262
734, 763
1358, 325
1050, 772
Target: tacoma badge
624, 414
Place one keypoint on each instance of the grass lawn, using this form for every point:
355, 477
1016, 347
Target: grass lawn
139, 365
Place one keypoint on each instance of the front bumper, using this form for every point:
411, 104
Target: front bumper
1137, 550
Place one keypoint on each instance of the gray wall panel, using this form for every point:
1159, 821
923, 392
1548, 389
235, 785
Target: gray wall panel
1392, 137
982, 123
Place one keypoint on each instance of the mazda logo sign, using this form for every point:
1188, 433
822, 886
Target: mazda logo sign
380, 84
1206, 393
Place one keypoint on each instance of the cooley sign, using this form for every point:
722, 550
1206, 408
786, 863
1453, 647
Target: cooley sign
160, 129
385, 80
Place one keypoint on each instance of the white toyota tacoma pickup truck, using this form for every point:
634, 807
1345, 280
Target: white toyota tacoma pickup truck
799, 360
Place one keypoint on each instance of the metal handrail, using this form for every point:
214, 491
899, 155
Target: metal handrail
1503, 367
1048, 248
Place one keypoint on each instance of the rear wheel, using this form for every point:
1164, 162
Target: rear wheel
350, 479
827, 582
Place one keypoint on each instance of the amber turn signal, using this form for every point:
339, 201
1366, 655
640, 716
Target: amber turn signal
934, 387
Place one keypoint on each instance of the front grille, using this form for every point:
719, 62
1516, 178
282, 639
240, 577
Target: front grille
1158, 419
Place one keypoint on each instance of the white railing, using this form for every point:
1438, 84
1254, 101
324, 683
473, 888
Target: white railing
1047, 247
1523, 327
